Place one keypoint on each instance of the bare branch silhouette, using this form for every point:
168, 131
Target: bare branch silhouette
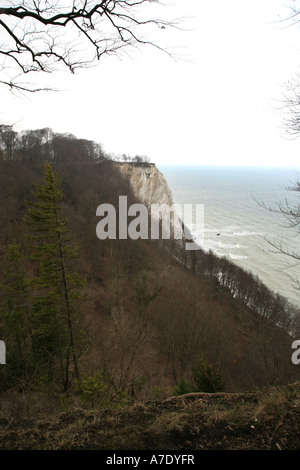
45, 35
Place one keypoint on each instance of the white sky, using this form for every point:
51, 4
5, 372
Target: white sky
217, 106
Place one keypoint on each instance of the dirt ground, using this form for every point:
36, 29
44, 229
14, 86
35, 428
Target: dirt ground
267, 420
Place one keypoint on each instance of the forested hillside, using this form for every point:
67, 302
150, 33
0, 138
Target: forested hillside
107, 322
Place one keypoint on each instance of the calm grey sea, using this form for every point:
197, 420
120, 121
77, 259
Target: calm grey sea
235, 225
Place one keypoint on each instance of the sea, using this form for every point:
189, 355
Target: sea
237, 221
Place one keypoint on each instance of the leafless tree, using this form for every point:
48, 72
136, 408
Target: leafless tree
43, 35
289, 208
291, 107
291, 96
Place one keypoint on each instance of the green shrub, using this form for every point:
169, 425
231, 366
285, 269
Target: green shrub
97, 391
207, 377
183, 387
94, 389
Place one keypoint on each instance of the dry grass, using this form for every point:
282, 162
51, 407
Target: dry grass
268, 420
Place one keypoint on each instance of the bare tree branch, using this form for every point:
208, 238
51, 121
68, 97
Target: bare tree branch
291, 97
42, 35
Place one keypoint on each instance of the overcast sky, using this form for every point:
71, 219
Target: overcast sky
218, 104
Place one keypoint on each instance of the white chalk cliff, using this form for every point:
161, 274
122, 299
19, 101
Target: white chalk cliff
147, 182
150, 187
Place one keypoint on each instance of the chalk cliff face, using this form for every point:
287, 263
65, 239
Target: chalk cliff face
150, 187
148, 183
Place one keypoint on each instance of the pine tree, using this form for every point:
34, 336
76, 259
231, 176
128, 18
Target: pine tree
183, 387
57, 288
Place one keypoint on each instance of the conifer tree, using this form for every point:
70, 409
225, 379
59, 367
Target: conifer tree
57, 288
